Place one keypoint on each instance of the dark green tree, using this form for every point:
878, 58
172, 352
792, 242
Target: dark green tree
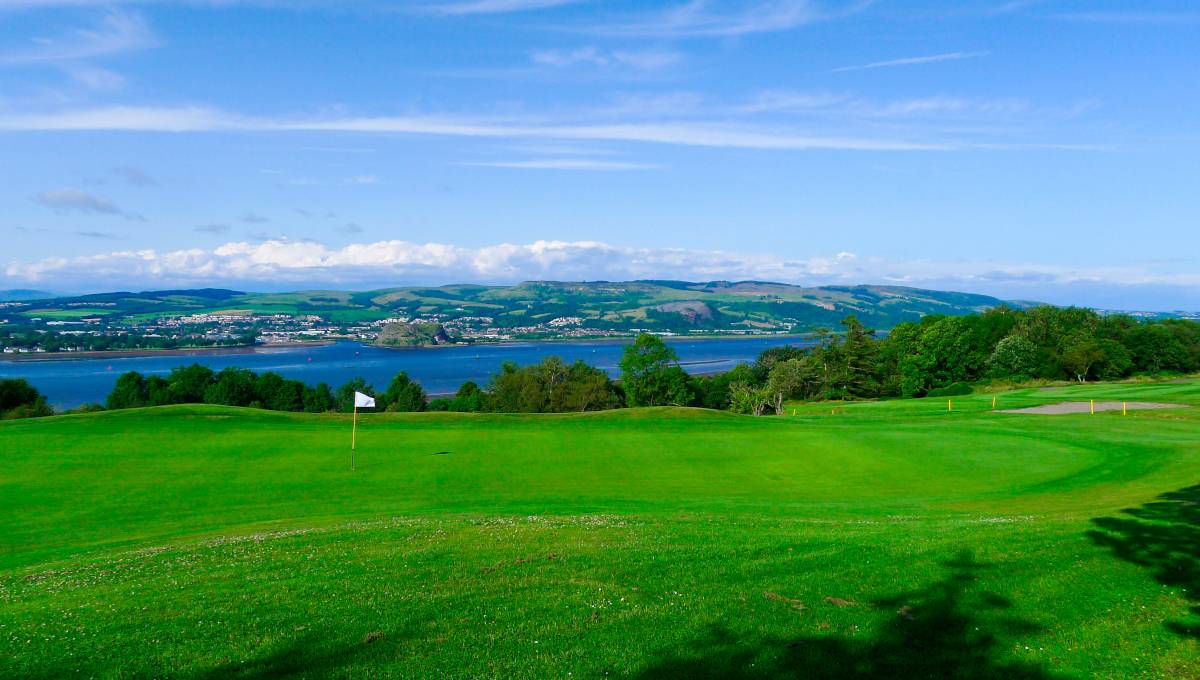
1116, 363
859, 354
468, 399
276, 393
189, 383
405, 395
1081, 355
1013, 356
713, 391
551, 386
19, 399
792, 379
232, 387
158, 391
15, 392
318, 399
586, 389
1154, 348
651, 376
129, 392
344, 397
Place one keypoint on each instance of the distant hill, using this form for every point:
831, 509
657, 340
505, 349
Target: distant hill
20, 294
555, 307
412, 335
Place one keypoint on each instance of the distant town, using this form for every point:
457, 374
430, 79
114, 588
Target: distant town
37, 335
459, 314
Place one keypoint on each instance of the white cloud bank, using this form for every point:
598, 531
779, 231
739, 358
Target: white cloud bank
281, 263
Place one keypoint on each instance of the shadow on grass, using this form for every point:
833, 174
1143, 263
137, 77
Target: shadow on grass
309, 656
936, 632
1164, 537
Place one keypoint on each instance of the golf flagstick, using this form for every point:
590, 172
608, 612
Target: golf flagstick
364, 401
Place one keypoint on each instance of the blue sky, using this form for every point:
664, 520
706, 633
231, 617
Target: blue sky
1027, 149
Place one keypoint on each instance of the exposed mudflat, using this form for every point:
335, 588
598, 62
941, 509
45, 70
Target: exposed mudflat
1068, 407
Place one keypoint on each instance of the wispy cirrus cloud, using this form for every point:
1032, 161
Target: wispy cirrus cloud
135, 176
563, 164
643, 60
1157, 18
912, 61
74, 200
678, 133
433, 7
82, 233
469, 7
704, 19
778, 119
117, 32
93, 77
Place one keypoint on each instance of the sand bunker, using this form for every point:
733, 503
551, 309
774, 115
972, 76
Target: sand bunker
1067, 407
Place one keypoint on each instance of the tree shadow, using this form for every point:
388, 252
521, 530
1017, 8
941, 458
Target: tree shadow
936, 632
310, 656
1164, 537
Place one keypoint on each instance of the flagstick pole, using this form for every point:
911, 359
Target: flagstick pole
354, 440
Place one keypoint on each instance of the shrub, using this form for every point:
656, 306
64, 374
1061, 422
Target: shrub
952, 390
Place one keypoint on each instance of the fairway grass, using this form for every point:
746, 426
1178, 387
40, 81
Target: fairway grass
885, 539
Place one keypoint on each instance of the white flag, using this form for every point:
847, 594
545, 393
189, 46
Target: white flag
363, 401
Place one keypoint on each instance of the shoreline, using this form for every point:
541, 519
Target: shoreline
150, 353
252, 349
665, 338
624, 339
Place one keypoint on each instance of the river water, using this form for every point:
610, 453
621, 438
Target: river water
440, 370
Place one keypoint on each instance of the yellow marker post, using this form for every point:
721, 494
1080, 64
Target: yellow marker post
993, 402
1124, 408
949, 404
1093, 402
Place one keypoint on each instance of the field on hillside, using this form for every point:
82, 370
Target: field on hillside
660, 304
882, 540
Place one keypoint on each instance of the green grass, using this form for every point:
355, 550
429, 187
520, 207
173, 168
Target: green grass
887, 539
68, 314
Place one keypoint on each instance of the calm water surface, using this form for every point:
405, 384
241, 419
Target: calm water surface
68, 383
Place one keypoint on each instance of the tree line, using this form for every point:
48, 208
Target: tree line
232, 386
944, 355
937, 356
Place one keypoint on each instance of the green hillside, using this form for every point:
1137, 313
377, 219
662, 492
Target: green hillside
884, 539
746, 305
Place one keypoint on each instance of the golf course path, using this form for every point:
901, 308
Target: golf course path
1069, 407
